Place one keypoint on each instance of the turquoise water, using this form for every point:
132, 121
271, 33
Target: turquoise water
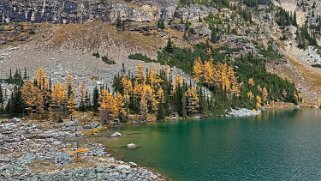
278, 145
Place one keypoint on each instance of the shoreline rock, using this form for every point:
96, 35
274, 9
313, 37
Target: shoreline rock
35, 151
243, 113
116, 134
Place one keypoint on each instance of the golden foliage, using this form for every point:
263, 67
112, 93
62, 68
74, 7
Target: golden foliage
192, 100
41, 79
29, 94
82, 93
108, 106
40, 103
71, 104
250, 95
258, 102
251, 82
198, 69
78, 153
220, 75
153, 78
59, 94
93, 131
140, 75
265, 94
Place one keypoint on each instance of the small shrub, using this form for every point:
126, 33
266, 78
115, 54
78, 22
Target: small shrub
107, 60
96, 55
316, 65
92, 131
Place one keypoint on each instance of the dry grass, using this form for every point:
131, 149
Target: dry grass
307, 78
94, 35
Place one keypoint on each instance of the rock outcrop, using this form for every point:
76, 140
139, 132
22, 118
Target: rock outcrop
75, 11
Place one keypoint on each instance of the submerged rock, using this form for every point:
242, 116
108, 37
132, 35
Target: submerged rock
116, 134
131, 146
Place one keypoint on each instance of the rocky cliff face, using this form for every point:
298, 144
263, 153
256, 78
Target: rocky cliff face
305, 9
74, 11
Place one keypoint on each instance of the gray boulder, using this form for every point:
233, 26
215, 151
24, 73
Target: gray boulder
95, 124
16, 120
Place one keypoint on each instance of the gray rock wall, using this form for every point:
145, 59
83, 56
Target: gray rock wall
73, 11
78, 11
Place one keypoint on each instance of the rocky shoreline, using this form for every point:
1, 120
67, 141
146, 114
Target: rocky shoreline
31, 150
243, 112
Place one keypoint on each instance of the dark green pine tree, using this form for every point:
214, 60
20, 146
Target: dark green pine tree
169, 47
69, 90
294, 23
25, 74
1, 95
161, 111
161, 24
17, 103
184, 111
8, 108
10, 75
119, 24
95, 99
1, 101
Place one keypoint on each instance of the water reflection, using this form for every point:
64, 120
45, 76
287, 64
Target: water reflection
278, 145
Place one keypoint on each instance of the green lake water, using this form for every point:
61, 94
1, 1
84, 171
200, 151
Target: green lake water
277, 145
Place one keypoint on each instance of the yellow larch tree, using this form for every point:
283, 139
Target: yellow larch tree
258, 102
71, 104
177, 82
140, 75
218, 74
71, 97
160, 95
235, 89
119, 105
40, 104
153, 77
208, 72
148, 90
41, 80
198, 70
29, 94
265, 94
250, 95
251, 82
192, 101
59, 97
108, 108
224, 78
82, 93
128, 87
143, 106
59, 93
